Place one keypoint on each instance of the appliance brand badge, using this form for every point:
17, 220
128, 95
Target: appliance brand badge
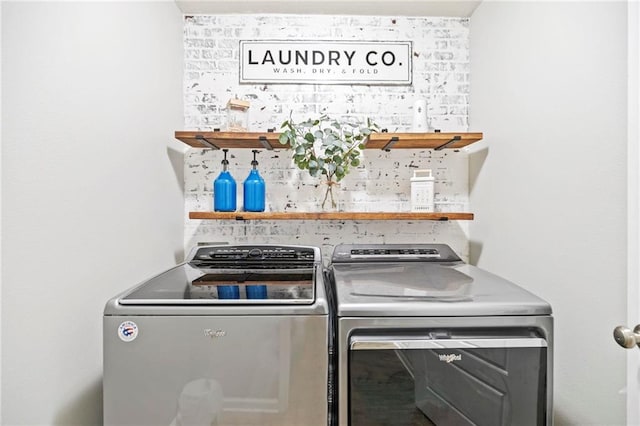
128, 331
450, 358
214, 334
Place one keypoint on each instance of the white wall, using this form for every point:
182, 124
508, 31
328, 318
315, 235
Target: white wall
382, 181
91, 188
548, 88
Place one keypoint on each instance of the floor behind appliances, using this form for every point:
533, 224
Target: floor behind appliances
237, 335
425, 339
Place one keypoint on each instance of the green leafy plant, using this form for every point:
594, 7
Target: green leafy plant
326, 147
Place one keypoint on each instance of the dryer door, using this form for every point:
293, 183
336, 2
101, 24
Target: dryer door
456, 380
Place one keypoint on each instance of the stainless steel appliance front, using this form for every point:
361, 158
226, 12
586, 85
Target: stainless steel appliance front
424, 339
234, 336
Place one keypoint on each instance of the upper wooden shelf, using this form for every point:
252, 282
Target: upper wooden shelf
330, 216
384, 141
218, 140
437, 141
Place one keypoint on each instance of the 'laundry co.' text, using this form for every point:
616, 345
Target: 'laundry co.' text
318, 57
339, 62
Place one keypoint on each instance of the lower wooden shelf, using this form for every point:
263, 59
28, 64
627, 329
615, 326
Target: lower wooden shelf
439, 216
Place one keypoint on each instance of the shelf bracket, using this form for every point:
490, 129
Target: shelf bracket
265, 143
390, 144
206, 142
456, 138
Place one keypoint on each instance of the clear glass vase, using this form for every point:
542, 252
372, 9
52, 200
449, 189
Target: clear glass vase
329, 201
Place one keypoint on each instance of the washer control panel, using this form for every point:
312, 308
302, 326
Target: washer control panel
262, 254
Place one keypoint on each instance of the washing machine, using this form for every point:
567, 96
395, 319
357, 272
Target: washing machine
236, 335
423, 338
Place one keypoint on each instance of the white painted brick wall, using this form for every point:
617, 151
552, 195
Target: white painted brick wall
381, 183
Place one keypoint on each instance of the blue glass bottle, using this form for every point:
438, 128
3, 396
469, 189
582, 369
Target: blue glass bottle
254, 189
224, 189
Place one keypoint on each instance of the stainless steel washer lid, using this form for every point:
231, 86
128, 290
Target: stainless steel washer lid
232, 280
432, 286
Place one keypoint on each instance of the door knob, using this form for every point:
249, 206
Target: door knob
626, 337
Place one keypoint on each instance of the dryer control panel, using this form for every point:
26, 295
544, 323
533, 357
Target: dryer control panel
362, 253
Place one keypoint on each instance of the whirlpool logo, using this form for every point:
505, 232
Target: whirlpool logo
449, 358
214, 334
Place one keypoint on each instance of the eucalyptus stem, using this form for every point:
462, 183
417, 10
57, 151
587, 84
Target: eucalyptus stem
326, 194
333, 202
329, 192
325, 146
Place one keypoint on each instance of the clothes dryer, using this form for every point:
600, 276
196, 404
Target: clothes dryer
426, 339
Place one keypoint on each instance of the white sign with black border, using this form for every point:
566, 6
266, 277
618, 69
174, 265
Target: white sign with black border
326, 62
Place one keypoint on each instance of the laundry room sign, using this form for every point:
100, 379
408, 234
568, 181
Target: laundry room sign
325, 62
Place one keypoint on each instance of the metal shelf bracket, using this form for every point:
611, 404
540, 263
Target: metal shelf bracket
456, 138
390, 144
265, 143
206, 142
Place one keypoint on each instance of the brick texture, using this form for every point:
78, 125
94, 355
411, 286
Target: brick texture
381, 182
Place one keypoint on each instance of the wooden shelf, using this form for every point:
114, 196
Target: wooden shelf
219, 140
330, 216
437, 141
384, 141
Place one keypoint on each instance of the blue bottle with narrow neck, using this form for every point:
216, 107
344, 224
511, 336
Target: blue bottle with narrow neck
254, 189
224, 189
